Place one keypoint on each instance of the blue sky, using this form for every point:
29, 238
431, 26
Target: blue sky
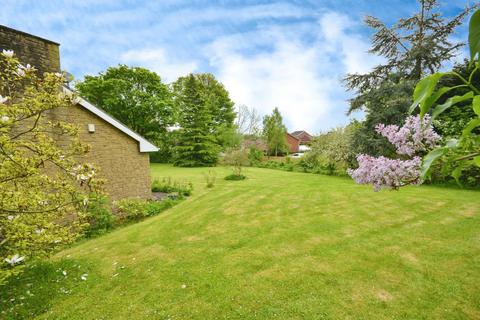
286, 54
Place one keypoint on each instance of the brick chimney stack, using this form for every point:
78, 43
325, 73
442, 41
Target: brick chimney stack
40, 53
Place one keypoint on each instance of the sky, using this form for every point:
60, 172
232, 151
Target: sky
286, 54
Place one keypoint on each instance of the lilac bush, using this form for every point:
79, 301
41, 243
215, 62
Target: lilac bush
386, 172
415, 136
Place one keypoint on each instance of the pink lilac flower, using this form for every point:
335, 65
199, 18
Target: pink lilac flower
416, 135
385, 172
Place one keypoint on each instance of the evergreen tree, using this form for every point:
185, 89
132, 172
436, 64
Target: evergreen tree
275, 133
216, 98
412, 47
196, 144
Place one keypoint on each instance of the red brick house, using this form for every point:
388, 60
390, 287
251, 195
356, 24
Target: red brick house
293, 143
304, 137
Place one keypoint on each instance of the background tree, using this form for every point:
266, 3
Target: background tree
275, 132
412, 47
332, 152
216, 99
248, 121
135, 96
44, 186
196, 144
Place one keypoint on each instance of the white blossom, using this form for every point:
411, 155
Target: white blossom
3, 99
64, 273
7, 53
14, 260
58, 74
5, 118
20, 72
84, 276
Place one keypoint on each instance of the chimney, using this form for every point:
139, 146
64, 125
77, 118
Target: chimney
40, 53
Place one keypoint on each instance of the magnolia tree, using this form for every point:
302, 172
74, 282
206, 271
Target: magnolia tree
417, 137
44, 189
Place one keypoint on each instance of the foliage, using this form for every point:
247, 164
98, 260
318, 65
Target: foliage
212, 100
169, 185
411, 141
411, 48
210, 178
132, 210
255, 156
464, 151
237, 159
135, 96
44, 186
197, 144
100, 217
332, 152
275, 132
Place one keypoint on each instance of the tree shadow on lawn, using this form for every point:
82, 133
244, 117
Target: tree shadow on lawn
42, 283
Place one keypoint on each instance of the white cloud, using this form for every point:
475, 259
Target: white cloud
157, 60
301, 78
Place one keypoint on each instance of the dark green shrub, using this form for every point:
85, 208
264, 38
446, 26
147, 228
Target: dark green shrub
100, 217
155, 207
235, 177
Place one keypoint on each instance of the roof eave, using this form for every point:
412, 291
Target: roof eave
144, 144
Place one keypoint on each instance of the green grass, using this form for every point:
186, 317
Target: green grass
278, 245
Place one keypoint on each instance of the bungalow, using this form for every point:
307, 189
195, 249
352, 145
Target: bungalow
120, 153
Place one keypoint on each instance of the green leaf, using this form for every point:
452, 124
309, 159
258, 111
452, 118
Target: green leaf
476, 105
430, 158
456, 173
450, 102
474, 34
423, 92
476, 160
472, 124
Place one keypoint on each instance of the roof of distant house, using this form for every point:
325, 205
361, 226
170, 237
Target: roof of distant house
297, 133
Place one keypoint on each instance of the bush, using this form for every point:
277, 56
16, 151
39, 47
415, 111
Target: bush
255, 156
130, 209
210, 178
236, 158
137, 209
168, 185
99, 217
235, 177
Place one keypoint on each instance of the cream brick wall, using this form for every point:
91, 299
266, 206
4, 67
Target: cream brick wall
125, 168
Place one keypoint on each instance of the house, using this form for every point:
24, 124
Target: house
121, 154
256, 142
293, 143
304, 137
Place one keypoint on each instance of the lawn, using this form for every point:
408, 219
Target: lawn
279, 245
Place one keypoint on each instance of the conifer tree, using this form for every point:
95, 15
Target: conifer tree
413, 47
196, 144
